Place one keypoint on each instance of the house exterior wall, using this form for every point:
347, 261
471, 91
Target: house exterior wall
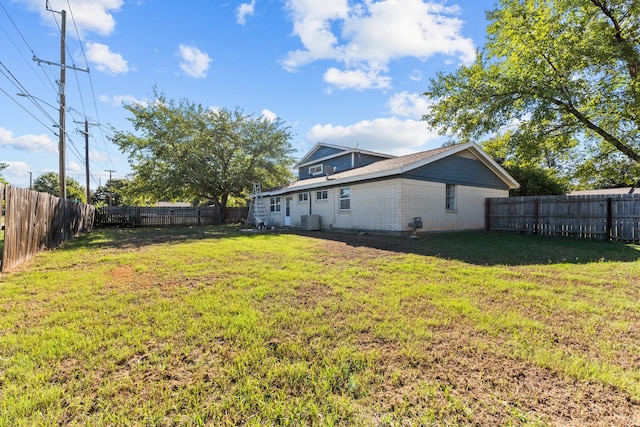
391, 205
428, 200
458, 169
341, 163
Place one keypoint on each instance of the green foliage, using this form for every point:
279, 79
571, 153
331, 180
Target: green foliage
188, 152
50, 183
535, 181
2, 167
113, 193
552, 78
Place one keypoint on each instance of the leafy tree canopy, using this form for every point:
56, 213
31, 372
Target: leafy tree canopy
187, 152
3, 166
555, 80
50, 183
109, 194
536, 181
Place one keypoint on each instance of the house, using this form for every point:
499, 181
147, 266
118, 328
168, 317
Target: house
345, 188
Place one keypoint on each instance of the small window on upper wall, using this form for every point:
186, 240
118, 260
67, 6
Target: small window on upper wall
303, 197
322, 195
345, 199
451, 197
315, 170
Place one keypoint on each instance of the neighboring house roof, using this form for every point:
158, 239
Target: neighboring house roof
340, 151
605, 191
397, 166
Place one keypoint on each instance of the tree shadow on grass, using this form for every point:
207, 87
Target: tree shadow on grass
475, 247
493, 248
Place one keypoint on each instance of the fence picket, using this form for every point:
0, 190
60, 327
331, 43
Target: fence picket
613, 216
34, 221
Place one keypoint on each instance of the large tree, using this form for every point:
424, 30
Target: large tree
188, 152
555, 80
50, 183
3, 166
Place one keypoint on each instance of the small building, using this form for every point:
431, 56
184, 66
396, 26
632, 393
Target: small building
344, 188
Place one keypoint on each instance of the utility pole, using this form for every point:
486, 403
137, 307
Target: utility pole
62, 142
30, 180
86, 155
110, 196
61, 94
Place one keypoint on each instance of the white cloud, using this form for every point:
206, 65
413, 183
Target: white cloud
17, 173
408, 104
356, 79
387, 135
365, 36
105, 60
94, 16
119, 100
195, 63
269, 115
416, 75
244, 10
27, 142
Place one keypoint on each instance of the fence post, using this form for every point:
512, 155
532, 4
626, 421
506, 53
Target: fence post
536, 216
609, 225
487, 214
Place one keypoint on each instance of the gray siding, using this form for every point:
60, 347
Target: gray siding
341, 163
323, 152
458, 170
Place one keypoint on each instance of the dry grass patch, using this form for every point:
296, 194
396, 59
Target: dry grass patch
213, 326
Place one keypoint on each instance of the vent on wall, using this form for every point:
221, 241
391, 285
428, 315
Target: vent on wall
310, 222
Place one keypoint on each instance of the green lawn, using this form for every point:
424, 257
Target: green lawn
218, 326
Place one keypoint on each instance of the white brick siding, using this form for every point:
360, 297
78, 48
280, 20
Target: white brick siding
390, 205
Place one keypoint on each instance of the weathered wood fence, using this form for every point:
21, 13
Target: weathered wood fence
602, 217
142, 216
35, 221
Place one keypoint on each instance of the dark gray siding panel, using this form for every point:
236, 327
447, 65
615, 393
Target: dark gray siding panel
324, 152
360, 159
458, 170
341, 163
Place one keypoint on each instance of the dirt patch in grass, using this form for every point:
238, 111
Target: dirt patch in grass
466, 374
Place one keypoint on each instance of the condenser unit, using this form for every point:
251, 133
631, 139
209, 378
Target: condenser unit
310, 222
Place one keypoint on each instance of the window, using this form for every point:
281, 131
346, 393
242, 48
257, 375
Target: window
303, 197
451, 197
315, 170
345, 199
322, 195
275, 204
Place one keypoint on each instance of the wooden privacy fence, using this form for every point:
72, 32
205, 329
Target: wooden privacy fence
603, 217
35, 221
141, 216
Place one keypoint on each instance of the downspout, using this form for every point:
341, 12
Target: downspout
309, 202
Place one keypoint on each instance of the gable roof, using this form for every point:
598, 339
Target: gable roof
397, 166
341, 152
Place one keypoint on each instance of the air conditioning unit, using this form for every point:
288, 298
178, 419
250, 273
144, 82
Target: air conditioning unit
310, 222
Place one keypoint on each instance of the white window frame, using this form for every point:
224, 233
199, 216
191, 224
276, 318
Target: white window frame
345, 199
303, 197
451, 197
275, 205
322, 195
316, 169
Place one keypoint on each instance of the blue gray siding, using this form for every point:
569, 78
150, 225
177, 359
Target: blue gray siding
323, 152
341, 163
458, 170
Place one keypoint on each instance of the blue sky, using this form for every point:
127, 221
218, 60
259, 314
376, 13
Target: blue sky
337, 71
